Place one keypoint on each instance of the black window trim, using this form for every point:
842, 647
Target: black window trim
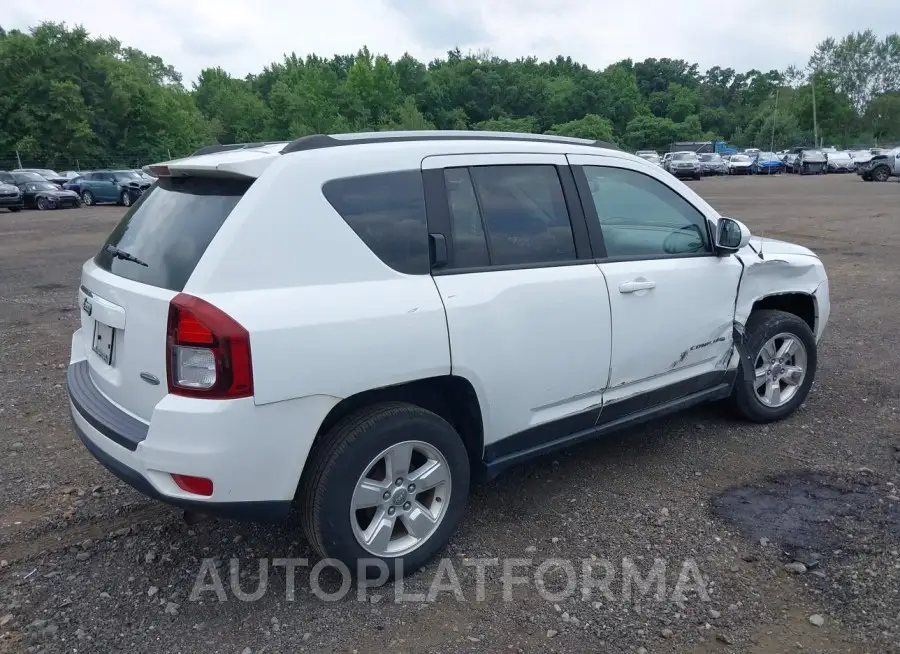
596, 229
437, 210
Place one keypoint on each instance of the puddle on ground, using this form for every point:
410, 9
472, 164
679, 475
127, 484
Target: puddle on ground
815, 512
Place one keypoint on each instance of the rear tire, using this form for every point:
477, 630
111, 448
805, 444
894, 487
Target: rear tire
353, 457
15, 209
791, 370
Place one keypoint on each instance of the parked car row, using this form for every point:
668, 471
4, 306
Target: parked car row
116, 186
22, 189
871, 165
42, 188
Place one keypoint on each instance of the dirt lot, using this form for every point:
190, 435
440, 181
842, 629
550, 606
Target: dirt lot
89, 565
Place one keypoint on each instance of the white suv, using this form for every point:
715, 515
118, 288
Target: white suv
362, 325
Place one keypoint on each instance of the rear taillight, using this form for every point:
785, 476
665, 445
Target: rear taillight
207, 351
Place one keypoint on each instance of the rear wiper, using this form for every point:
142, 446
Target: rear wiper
123, 255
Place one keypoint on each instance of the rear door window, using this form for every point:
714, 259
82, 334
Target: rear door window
387, 211
525, 214
469, 243
169, 229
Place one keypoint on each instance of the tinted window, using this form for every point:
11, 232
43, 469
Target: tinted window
387, 211
469, 245
525, 214
641, 216
169, 229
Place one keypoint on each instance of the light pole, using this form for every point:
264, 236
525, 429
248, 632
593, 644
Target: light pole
774, 118
815, 122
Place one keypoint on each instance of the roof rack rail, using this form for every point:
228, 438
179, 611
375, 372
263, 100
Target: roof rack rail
212, 149
319, 141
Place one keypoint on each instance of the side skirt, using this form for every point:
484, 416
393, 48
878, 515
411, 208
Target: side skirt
589, 425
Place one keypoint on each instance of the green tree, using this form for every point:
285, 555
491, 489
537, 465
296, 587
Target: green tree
592, 127
650, 132
506, 124
883, 117
861, 65
67, 98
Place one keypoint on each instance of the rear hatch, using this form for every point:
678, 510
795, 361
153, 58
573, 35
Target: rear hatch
126, 288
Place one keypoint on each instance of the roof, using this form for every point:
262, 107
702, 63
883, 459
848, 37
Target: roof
389, 148
318, 141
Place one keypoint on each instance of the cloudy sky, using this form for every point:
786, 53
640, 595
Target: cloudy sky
242, 36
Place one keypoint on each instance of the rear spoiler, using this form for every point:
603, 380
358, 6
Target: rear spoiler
241, 163
213, 149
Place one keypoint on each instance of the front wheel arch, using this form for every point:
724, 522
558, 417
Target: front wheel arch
881, 174
802, 305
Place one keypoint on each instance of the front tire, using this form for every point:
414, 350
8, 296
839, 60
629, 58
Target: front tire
87, 198
15, 209
881, 174
784, 355
42, 204
390, 483
125, 200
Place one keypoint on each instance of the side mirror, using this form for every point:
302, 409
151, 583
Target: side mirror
731, 235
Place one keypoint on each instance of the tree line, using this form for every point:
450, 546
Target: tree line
69, 98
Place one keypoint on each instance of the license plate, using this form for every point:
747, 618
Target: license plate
104, 338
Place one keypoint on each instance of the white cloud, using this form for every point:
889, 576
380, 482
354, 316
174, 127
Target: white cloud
243, 36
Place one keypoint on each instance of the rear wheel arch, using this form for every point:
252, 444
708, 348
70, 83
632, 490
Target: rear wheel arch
802, 305
451, 397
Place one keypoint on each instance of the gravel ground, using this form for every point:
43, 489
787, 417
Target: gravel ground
783, 537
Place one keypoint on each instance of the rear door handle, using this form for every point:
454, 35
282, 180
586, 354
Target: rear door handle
633, 287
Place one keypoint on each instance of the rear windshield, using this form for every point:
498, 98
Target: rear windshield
169, 229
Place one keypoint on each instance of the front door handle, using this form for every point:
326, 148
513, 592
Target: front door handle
633, 287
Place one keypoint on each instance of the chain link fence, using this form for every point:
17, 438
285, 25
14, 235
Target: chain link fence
116, 161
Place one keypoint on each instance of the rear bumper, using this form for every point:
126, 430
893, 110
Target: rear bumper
249, 511
254, 455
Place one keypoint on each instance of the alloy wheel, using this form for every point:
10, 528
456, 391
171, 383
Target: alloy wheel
401, 498
780, 369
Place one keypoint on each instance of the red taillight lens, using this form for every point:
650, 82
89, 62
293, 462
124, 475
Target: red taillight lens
195, 485
207, 351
